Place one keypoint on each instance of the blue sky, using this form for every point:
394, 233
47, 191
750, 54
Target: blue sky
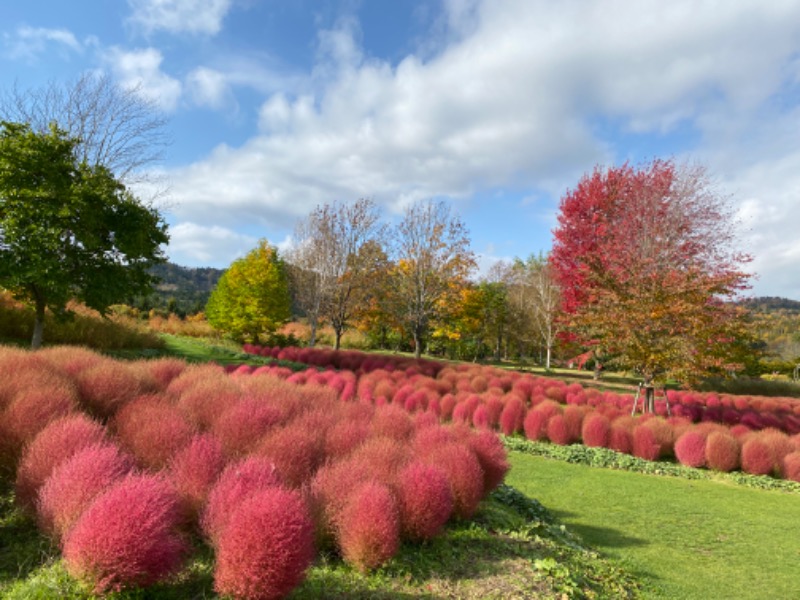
276, 106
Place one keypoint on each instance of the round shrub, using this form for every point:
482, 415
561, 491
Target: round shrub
296, 452
368, 529
645, 444
690, 449
596, 430
791, 466
128, 537
329, 492
194, 470
620, 438
75, 483
243, 424
382, 457
266, 548
557, 430
513, 415
424, 500
573, 419
757, 457
535, 424
722, 452
152, 430
238, 481
465, 475
492, 457
105, 387
32, 409
57, 442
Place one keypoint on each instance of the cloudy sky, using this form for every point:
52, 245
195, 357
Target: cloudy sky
277, 106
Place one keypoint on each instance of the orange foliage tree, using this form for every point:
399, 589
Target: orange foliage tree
647, 265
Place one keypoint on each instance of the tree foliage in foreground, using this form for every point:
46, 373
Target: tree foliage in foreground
647, 263
252, 297
69, 230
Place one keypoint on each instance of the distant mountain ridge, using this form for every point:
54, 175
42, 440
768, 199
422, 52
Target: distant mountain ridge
184, 290
770, 303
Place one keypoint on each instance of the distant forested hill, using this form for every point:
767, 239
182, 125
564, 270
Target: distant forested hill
777, 323
182, 290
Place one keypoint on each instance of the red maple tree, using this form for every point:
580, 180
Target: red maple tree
647, 263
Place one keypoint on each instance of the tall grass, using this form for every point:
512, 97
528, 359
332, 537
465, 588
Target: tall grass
84, 327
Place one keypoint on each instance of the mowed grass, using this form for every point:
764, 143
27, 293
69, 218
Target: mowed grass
682, 538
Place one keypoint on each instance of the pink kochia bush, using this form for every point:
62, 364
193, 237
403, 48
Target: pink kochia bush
128, 537
690, 449
238, 481
267, 546
57, 442
425, 500
195, 469
76, 482
368, 529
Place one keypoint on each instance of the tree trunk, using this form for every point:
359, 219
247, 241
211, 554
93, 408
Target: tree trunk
338, 341
417, 345
549, 355
649, 394
38, 324
313, 336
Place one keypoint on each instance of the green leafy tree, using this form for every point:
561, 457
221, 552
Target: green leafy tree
252, 296
69, 230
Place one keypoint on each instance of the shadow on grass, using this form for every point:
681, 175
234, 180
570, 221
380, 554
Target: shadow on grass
606, 537
22, 548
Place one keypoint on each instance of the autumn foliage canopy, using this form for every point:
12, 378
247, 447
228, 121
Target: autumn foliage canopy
646, 261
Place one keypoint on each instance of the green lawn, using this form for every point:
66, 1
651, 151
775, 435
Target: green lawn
682, 538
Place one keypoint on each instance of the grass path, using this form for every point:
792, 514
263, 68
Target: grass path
684, 539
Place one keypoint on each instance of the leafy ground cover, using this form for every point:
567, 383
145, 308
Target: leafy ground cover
683, 538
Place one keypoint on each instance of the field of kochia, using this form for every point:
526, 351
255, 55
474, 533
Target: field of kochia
121, 463
757, 435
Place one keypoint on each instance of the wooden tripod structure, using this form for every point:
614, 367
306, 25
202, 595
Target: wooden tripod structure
649, 389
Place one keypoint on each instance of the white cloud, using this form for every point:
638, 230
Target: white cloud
27, 43
513, 98
176, 16
141, 69
209, 87
216, 246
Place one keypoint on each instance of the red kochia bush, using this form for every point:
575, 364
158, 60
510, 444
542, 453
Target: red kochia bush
194, 470
75, 483
757, 457
645, 444
237, 482
513, 415
128, 536
424, 499
596, 430
535, 424
465, 475
241, 426
492, 457
368, 529
791, 466
32, 409
557, 430
296, 451
266, 548
690, 449
55, 443
722, 451
152, 430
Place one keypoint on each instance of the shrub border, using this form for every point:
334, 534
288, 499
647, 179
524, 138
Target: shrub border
610, 459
